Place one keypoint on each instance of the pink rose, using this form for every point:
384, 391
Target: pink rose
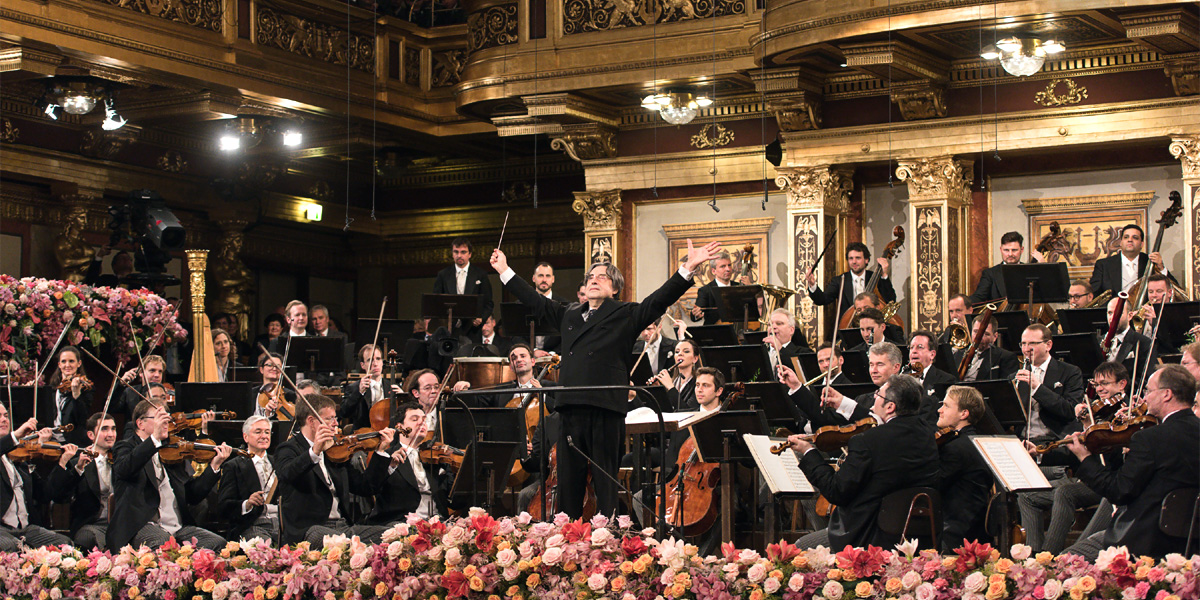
1020, 552
975, 582
926, 591
1053, 589
505, 557
910, 580
796, 582
771, 585
757, 573
552, 556
597, 582
833, 590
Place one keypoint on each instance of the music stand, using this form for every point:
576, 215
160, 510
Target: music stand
1010, 324
312, 354
720, 439
850, 337
233, 396
771, 397
518, 318
1177, 319
492, 424
809, 365
392, 333
1004, 412
739, 303
433, 306
1038, 282
1083, 320
854, 366
740, 363
486, 467
1079, 349
224, 431
641, 373
754, 337
944, 359
713, 335
22, 403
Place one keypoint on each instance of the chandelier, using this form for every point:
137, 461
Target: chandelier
676, 108
1022, 56
79, 96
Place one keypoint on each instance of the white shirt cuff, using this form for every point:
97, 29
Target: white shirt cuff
846, 408
245, 507
507, 275
684, 273
314, 456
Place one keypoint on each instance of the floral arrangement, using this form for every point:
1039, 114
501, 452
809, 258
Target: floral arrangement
479, 557
33, 313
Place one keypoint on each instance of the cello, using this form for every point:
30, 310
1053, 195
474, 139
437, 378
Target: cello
889, 309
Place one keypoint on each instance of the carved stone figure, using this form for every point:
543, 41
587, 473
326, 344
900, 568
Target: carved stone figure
71, 251
234, 282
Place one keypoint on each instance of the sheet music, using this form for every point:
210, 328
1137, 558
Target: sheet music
1010, 463
781, 472
644, 416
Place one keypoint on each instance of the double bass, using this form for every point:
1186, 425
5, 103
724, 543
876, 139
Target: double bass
889, 309
1138, 293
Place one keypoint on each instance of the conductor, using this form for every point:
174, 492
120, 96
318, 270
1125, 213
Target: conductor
597, 346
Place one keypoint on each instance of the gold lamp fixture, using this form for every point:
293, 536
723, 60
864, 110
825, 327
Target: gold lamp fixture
676, 108
1022, 56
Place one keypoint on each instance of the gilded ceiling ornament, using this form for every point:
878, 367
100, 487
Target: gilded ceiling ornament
517, 191
722, 137
922, 103
1187, 150
587, 145
205, 14
412, 66
447, 68
1050, 97
9, 133
1185, 76
495, 26
581, 16
258, 175
600, 210
796, 114
311, 39
822, 188
71, 251
172, 162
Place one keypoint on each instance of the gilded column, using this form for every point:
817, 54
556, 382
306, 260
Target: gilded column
818, 201
939, 200
1187, 150
601, 212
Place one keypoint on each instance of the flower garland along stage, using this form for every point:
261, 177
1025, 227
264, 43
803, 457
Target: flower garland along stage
34, 311
479, 557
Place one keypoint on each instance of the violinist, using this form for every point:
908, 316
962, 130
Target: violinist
86, 483
152, 499
883, 361
1068, 493
226, 354
22, 494
315, 493
966, 480
271, 368
1128, 341
898, 454
1160, 459
423, 385
990, 361
706, 295
783, 340
1121, 271
138, 387
358, 397
409, 486
307, 386
853, 282
246, 484
922, 350
73, 398
991, 283
1049, 388
826, 353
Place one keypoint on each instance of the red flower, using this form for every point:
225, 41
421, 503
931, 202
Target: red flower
456, 584
972, 554
861, 563
483, 539
576, 530
782, 552
633, 546
482, 522
421, 544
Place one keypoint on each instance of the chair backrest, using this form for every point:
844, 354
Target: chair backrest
911, 512
1178, 517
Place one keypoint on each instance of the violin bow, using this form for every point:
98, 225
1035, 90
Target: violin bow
147, 349
284, 375
107, 401
375, 340
114, 374
1153, 340
37, 375
813, 268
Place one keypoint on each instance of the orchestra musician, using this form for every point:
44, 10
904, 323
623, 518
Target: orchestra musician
226, 354
597, 349
22, 492
73, 405
1128, 341
246, 483
898, 454
783, 340
1049, 388
359, 396
1191, 359
957, 309
274, 324
966, 480
229, 324
656, 349
1160, 459
520, 359
463, 277
423, 385
853, 282
409, 485
543, 282
86, 483
315, 492
707, 302
681, 386
826, 353
138, 388
1122, 270
867, 300
296, 314
320, 325
152, 500
990, 361
834, 408
873, 328
1079, 295
1068, 493
1158, 291
305, 387
487, 337
991, 283
922, 348
271, 367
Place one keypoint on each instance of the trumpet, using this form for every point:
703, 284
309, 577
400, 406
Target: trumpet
1138, 319
959, 336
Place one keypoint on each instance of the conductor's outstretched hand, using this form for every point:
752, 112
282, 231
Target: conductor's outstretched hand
499, 261
695, 256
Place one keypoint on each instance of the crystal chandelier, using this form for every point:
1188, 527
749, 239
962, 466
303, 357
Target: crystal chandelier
79, 96
1022, 56
676, 108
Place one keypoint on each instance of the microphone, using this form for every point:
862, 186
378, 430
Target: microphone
596, 467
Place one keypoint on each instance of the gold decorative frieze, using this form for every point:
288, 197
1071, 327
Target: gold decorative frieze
924, 102
1187, 150
807, 246
1184, 72
1072, 204
447, 68
8, 132
798, 112
580, 16
719, 137
205, 14
937, 178
586, 142
492, 27
107, 144
321, 190
172, 162
315, 40
600, 210
1071, 93
827, 188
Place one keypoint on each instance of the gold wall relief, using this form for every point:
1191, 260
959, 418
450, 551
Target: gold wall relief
495, 26
924, 102
586, 142
172, 162
807, 246
719, 137
1090, 225
315, 40
1195, 257
412, 66
447, 68
205, 14
1187, 151
8, 132
600, 210
581, 16
107, 144
929, 261
823, 188
1071, 93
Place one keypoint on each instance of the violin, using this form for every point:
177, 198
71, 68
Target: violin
364, 440
170, 390
84, 384
913, 368
381, 411
437, 453
1104, 410
68, 428
830, 438
176, 450
29, 450
1102, 436
195, 420
286, 411
944, 435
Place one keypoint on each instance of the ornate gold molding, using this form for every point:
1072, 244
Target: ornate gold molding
796, 112
412, 66
600, 210
492, 27
586, 142
107, 144
817, 188
313, 39
720, 137
1184, 72
929, 275
205, 14
921, 102
172, 162
8, 132
1132, 200
1074, 94
935, 179
733, 227
446, 68
1187, 150
580, 16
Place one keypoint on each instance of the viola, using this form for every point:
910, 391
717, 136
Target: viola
286, 411
195, 420
175, 450
84, 384
695, 509
1104, 410
1103, 436
832, 437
